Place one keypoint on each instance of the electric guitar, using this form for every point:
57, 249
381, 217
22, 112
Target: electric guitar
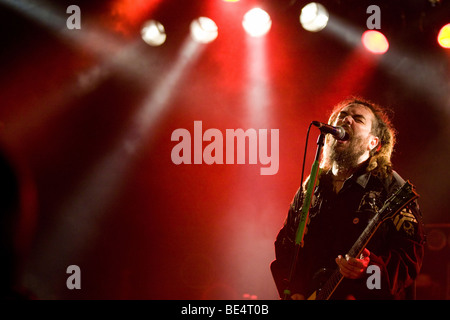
396, 202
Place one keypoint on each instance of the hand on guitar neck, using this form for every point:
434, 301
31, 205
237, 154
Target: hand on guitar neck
349, 267
353, 268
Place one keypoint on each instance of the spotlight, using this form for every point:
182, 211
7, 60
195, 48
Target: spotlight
153, 33
444, 36
375, 42
204, 30
314, 17
257, 22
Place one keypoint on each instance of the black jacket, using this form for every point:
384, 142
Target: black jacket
336, 222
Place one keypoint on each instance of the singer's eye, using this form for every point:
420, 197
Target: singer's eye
359, 119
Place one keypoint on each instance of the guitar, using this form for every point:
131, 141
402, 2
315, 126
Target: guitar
396, 202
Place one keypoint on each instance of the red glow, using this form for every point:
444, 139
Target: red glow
130, 14
375, 42
351, 77
444, 36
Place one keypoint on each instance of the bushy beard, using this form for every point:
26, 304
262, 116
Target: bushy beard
348, 156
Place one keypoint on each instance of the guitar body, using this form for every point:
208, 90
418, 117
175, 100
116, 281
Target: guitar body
313, 296
320, 278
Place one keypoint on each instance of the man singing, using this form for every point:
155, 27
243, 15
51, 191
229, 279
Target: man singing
355, 179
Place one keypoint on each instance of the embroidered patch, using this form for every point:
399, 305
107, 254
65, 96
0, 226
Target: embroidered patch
406, 220
370, 201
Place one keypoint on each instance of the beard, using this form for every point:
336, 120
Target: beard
348, 155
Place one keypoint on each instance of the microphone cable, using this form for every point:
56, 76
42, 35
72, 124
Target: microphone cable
300, 193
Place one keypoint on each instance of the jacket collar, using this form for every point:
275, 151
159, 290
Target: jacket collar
363, 179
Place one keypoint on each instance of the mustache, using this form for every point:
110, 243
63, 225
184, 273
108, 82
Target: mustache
348, 129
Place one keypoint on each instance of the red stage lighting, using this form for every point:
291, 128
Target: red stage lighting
375, 42
443, 37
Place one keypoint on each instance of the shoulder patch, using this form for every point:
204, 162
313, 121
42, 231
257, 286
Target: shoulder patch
406, 221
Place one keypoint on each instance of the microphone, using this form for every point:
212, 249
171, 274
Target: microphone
337, 132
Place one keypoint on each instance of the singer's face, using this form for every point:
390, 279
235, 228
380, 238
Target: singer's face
357, 121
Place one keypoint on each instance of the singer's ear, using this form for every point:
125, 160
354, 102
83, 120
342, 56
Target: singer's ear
375, 143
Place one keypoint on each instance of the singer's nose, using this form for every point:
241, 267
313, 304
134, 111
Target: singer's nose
347, 119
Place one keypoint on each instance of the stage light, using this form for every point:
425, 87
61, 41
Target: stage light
375, 42
444, 36
153, 33
314, 17
436, 240
257, 22
204, 30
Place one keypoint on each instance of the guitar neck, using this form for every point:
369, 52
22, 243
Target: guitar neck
367, 234
330, 286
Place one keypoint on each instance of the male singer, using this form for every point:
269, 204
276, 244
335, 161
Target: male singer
355, 179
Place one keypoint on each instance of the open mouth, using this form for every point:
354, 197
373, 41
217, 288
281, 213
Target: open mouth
341, 142
348, 133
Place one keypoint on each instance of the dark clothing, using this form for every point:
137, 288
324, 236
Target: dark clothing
336, 222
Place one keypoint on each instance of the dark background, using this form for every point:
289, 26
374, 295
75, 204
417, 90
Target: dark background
90, 114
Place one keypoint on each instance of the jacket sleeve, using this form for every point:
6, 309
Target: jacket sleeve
399, 252
284, 249
285, 240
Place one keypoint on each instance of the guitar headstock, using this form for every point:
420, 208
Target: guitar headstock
398, 200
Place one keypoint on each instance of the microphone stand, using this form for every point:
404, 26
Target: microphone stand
299, 242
